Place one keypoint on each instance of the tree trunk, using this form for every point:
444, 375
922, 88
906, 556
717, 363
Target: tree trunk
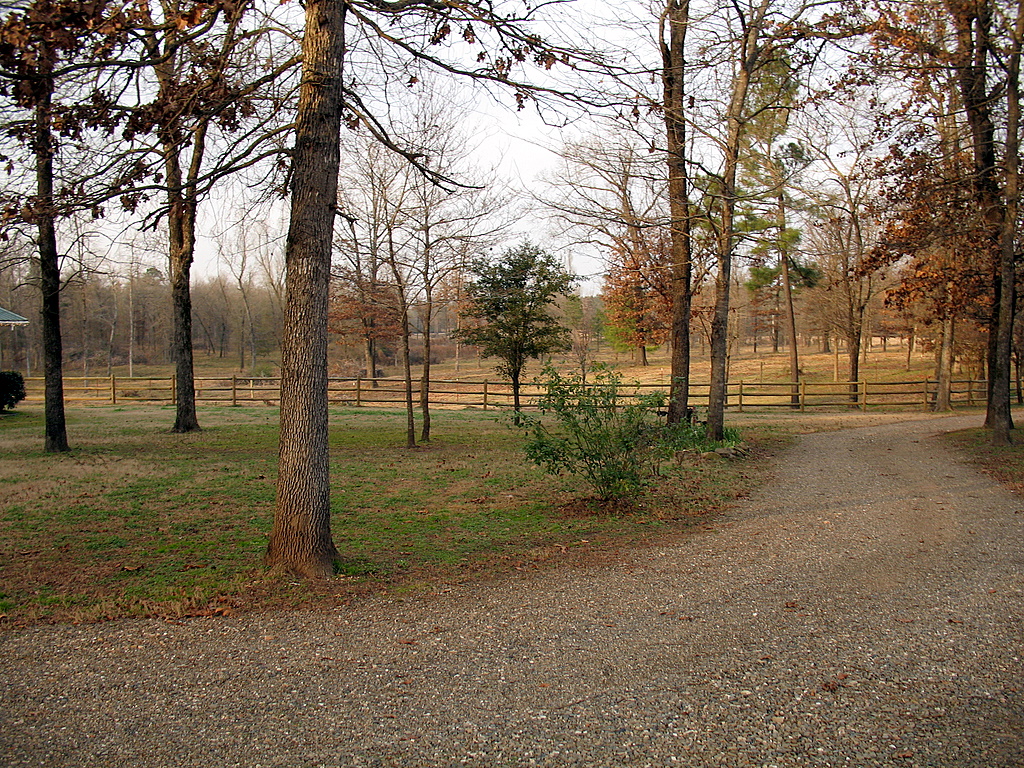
677, 14
182, 247
515, 391
1017, 378
300, 541
425, 380
972, 22
853, 353
787, 288
723, 280
49, 276
944, 374
1000, 417
181, 243
410, 413
371, 360
747, 59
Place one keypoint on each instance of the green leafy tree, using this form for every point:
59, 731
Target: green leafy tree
510, 299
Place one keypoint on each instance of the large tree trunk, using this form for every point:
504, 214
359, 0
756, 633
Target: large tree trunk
676, 15
972, 22
181, 226
49, 277
1000, 417
300, 541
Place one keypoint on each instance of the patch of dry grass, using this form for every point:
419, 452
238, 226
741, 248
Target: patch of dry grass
1004, 463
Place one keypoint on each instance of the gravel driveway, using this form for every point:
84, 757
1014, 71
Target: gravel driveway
865, 609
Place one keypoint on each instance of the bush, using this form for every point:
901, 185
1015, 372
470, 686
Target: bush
611, 440
12, 389
694, 437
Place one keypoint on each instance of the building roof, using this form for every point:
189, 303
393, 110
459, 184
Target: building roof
11, 318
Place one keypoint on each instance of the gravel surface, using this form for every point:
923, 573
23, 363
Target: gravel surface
864, 609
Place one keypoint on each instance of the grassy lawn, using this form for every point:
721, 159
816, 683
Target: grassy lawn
1004, 463
138, 521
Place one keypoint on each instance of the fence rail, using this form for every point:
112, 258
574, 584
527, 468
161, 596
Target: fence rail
741, 395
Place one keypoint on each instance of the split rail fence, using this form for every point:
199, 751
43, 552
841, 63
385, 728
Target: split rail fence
741, 395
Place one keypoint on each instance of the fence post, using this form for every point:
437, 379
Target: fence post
803, 394
970, 392
485, 394
741, 396
864, 396
925, 401
234, 389
174, 389
359, 391
113, 389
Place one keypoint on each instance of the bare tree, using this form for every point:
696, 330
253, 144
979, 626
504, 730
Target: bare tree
52, 58
202, 62
610, 192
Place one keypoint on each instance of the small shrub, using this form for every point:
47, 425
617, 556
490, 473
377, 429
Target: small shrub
12, 389
611, 440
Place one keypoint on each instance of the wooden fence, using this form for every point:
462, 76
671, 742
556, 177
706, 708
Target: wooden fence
741, 395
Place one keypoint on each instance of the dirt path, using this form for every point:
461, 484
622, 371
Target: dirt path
866, 609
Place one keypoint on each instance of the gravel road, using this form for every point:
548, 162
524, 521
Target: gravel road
864, 609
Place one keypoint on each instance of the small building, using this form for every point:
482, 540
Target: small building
11, 318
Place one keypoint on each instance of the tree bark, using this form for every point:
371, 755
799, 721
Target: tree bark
56, 440
181, 226
972, 22
515, 391
300, 541
1000, 417
677, 15
428, 310
787, 288
410, 414
944, 377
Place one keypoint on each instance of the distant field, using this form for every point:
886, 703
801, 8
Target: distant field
764, 365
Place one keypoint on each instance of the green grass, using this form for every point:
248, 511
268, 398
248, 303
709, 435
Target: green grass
138, 521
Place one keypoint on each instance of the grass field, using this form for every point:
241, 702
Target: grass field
138, 521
